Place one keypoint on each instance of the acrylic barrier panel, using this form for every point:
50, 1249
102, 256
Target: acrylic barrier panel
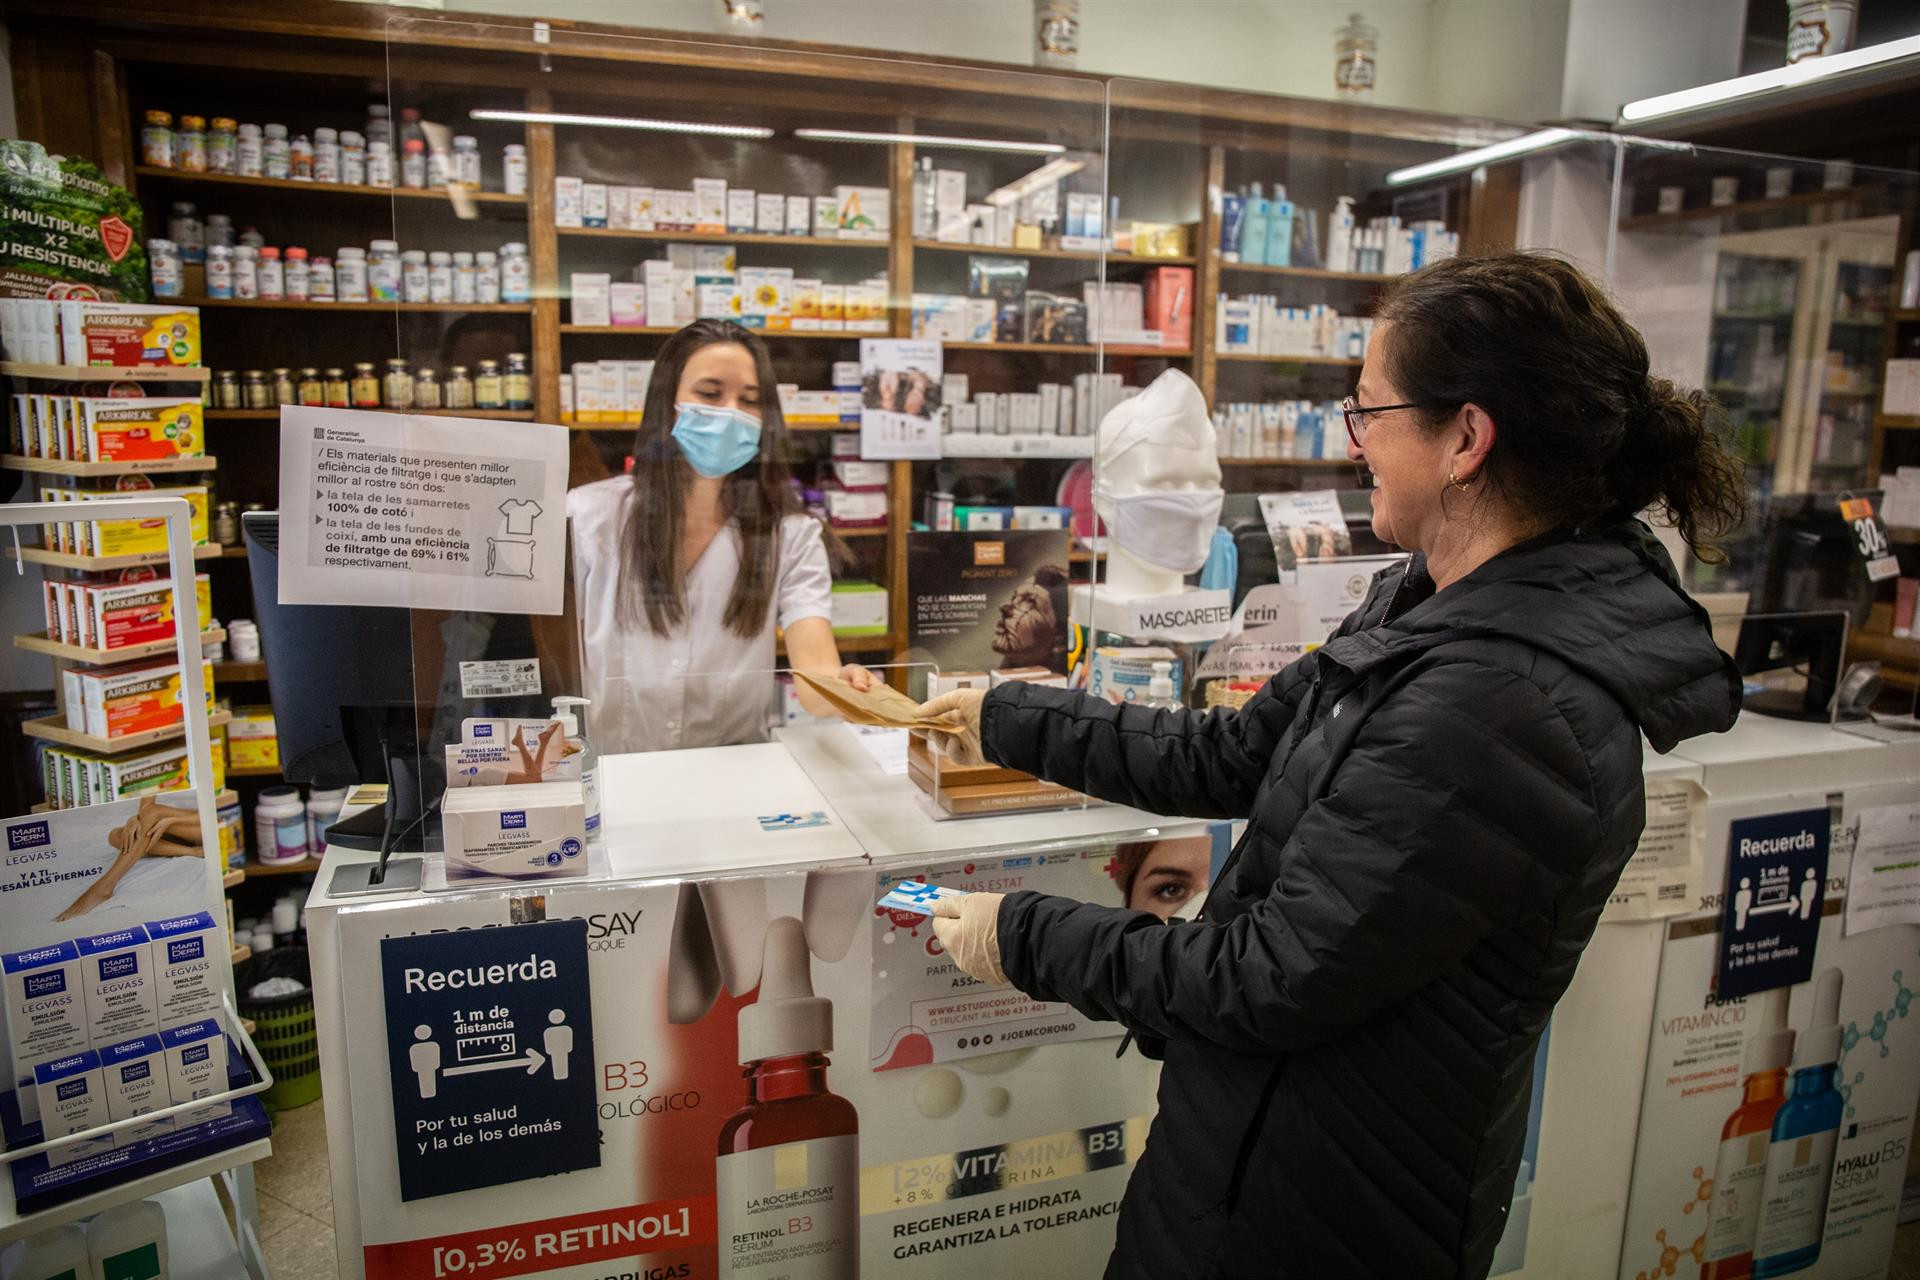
641, 1059
1254, 246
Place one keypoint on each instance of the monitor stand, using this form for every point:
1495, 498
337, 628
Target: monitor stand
370, 830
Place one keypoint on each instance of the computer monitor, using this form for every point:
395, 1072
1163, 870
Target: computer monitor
366, 694
1812, 646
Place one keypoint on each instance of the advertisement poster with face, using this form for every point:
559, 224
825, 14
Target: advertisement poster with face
989, 601
747, 1127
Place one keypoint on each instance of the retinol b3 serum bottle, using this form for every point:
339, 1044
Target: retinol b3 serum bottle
787, 1180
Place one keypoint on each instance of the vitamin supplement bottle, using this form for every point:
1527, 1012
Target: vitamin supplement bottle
156, 140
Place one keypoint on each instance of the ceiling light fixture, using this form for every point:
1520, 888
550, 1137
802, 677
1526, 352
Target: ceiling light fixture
933, 140
1773, 81
623, 122
1523, 145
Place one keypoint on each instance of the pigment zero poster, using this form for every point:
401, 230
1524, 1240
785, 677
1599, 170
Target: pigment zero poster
989, 601
490, 1047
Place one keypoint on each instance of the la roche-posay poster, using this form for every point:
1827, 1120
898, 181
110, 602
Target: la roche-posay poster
1774, 1126
904, 1119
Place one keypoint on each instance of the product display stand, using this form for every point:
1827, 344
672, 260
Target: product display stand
234, 1165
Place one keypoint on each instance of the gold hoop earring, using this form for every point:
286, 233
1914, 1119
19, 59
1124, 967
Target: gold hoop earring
1454, 482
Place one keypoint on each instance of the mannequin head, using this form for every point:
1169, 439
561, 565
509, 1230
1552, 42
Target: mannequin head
1159, 442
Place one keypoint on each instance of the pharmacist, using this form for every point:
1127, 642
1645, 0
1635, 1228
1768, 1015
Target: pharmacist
1439, 800
685, 570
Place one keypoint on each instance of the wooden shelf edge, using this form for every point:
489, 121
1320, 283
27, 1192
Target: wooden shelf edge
37, 642
325, 188
723, 237
306, 866
104, 373
66, 560
63, 467
50, 730
370, 308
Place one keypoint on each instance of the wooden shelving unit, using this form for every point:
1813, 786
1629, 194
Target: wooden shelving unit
1248, 357
1175, 155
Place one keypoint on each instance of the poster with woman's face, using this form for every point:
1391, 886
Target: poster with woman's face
989, 601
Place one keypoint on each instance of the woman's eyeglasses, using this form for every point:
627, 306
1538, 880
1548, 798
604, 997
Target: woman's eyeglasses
1356, 415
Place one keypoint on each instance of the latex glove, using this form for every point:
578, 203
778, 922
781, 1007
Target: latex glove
963, 748
969, 930
858, 676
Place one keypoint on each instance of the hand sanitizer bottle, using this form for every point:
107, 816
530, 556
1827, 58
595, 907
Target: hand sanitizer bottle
787, 1180
1160, 690
1806, 1133
1744, 1140
571, 713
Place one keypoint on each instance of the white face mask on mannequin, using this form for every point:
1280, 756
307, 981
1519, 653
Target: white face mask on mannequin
1171, 528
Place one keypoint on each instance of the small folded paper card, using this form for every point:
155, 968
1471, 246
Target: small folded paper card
912, 895
882, 705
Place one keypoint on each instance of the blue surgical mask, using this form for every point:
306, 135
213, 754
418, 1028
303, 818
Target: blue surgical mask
716, 442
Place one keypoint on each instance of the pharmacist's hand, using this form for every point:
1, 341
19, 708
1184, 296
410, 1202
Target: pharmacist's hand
962, 743
858, 676
969, 929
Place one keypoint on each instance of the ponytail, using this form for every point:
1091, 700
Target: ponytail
1673, 456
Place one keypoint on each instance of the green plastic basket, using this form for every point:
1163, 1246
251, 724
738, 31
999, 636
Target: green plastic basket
283, 1028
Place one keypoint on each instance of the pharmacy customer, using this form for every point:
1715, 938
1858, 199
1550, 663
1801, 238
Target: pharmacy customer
684, 570
1438, 801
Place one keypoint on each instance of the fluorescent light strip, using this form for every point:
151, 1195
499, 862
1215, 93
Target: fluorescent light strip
624, 122
1520, 146
933, 140
1802, 72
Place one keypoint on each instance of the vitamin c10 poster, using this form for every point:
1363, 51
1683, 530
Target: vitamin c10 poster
1774, 1126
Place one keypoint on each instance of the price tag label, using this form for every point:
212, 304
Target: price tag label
1870, 537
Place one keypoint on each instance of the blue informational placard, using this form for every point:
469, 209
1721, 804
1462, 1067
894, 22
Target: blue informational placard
490, 1046
1776, 884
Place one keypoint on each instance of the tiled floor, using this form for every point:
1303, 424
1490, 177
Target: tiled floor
296, 1197
296, 1204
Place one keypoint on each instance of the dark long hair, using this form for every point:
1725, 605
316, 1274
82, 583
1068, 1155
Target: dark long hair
756, 497
1587, 435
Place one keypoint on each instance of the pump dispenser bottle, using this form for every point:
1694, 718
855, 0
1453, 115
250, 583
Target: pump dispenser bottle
1160, 687
1806, 1133
1744, 1142
1340, 235
787, 1180
571, 712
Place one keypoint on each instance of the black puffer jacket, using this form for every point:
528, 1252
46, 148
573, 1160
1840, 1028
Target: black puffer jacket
1439, 800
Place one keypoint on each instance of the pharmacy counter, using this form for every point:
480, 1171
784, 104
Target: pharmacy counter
956, 1130
995, 1135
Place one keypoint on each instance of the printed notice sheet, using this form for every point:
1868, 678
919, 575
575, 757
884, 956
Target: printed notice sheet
1664, 876
1884, 886
421, 512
